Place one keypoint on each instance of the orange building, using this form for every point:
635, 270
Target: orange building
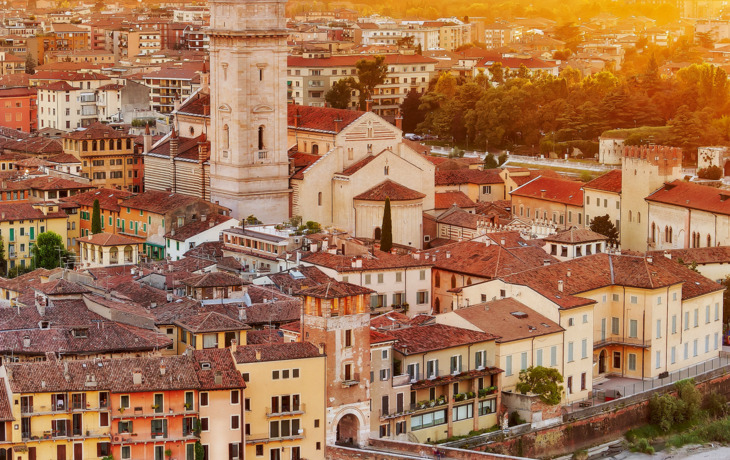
19, 109
108, 203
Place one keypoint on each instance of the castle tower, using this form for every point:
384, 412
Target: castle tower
249, 164
644, 169
336, 316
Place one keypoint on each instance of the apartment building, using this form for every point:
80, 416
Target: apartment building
21, 223
171, 84
547, 199
19, 109
258, 248
602, 196
69, 100
309, 79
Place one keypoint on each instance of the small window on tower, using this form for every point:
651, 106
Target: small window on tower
261, 138
261, 74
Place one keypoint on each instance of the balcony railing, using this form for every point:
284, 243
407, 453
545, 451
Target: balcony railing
256, 438
629, 341
295, 410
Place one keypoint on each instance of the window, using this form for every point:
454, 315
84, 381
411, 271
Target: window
554, 355
204, 398
633, 328
384, 374
348, 337
697, 317
617, 360
674, 354
462, 412
158, 428
204, 424
235, 422
634, 299
615, 297
428, 420
259, 450
570, 352
487, 407
126, 452
674, 324
658, 329
124, 401
614, 326
538, 358
686, 320
632, 361
456, 364
422, 297
658, 359
432, 368
523, 361
480, 359
235, 396
275, 375
508, 365
584, 349
707, 314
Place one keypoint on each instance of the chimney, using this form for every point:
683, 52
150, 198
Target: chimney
358, 262
173, 143
568, 273
448, 254
416, 255
234, 345
203, 149
297, 116
649, 259
147, 138
169, 297
502, 241
163, 369
137, 377
353, 262
560, 285
542, 193
667, 254
393, 251
218, 378
428, 256
338, 120
26, 341
546, 262
320, 347
399, 121
258, 355
203, 217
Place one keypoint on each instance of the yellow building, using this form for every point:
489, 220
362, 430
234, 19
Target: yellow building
285, 413
632, 316
20, 225
209, 330
453, 380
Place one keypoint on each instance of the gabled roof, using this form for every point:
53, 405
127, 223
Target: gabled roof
378, 260
468, 176
702, 256
98, 130
108, 198
609, 182
459, 218
693, 196
444, 200
320, 119
431, 337
552, 189
210, 322
334, 290
276, 352
389, 189
109, 239
575, 235
160, 202
213, 279
198, 226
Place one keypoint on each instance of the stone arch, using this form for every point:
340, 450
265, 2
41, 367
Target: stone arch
377, 233
602, 357
348, 423
128, 253
437, 306
315, 149
113, 255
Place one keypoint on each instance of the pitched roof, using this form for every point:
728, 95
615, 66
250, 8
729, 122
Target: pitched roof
198, 226
198, 104
389, 189
61, 287
552, 189
693, 196
334, 290
6, 412
377, 260
609, 182
275, 352
108, 198
508, 320
468, 176
19, 211
109, 239
422, 339
575, 235
350, 61
320, 119
458, 217
210, 322
213, 279
711, 255
160, 202
444, 200
98, 130
217, 363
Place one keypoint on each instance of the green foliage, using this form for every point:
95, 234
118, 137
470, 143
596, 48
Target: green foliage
456, 152
586, 176
643, 446
543, 382
96, 218
411, 112
3, 262
18, 270
502, 159
604, 226
715, 404
312, 227
370, 73
49, 251
30, 64
386, 231
667, 410
711, 172
252, 220
199, 451
339, 96
490, 162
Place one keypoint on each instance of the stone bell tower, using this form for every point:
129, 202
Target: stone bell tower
249, 164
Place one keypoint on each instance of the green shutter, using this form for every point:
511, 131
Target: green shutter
32, 233
12, 234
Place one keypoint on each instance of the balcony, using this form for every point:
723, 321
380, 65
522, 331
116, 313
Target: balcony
628, 341
40, 435
295, 410
258, 438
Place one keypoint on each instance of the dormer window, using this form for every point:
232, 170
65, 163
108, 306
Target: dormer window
80, 333
205, 366
44, 324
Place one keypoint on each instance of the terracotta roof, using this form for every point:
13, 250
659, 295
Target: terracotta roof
377, 260
444, 200
6, 412
487, 261
516, 63
459, 218
358, 165
109, 239
390, 320
600, 270
575, 235
263, 337
390, 189
198, 226
377, 337
468, 176
350, 61
213, 279
187, 148
161, 202
36, 146
334, 290
294, 279
552, 189
609, 182
19, 211
61, 287
693, 196
276, 352
320, 119
98, 130
421, 339
196, 105
508, 320
219, 364
294, 326
108, 198
210, 322
63, 158
702, 256
54, 183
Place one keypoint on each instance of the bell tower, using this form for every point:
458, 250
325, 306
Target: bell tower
249, 164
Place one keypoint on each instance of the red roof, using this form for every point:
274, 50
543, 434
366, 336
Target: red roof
445, 200
320, 118
390, 189
109, 239
431, 337
350, 61
468, 176
515, 63
552, 189
609, 182
693, 196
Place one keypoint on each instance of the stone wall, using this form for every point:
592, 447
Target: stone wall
407, 450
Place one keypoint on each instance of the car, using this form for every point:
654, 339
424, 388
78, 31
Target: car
413, 137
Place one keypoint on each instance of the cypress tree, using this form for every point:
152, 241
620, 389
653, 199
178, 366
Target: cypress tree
96, 218
386, 236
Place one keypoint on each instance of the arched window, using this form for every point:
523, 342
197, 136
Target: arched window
315, 149
261, 138
437, 279
468, 281
453, 281
666, 233
226, 136
437, 306
93, 146
671, 237
386, 170
319, 199
192, 131
85, 146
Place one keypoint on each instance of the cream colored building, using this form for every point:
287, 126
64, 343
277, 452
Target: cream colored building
602, 196
249, 164
631, 316
644, 170
284, 411
106, 249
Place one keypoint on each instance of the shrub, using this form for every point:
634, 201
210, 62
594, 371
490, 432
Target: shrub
715, 404
666, 410
644, 446
711, 173
515, 419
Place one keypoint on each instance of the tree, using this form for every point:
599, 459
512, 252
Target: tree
339, 95
386, 231
710, 172
29, 64
199, 451
252, 220
411, 112
96, 218
543, 382
490, 162
370, 73
604, 226
46, 251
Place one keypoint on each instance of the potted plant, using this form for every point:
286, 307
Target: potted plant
188, 406
121, 409
168, 453
470, 395
459, 397
155, 406
441, 399
422, 404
